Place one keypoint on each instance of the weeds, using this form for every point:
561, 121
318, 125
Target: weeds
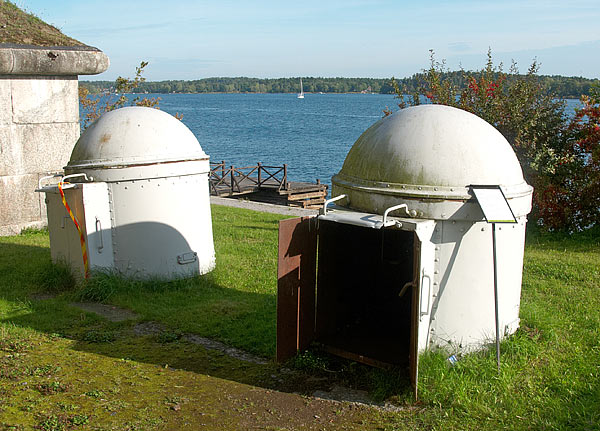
13, 339
61, 422
66, 407
100, 287
95, 393
169, 336
13, 346
25, 28
56, 278
310, 361
99, 336
42, 371
50, 388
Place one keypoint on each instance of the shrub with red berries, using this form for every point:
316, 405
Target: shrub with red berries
559, 154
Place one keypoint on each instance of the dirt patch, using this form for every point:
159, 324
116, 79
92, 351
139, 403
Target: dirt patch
42, 296
229, 351
54, 386
149, 328
354, 396
154, 328
109, 312
282, 379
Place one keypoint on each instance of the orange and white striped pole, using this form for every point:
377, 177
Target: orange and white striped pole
81, 235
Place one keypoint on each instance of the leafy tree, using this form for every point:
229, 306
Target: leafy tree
562, 86
571, 198
94, 107
559, 155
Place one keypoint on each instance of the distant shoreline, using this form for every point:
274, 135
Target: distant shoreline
264, 92
558, 86
275, 94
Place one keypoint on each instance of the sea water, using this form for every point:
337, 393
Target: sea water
311, 135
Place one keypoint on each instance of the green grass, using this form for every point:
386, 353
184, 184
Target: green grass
235, 303
549, 378
550, 369
21, 27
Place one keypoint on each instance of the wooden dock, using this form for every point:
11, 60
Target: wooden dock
265, 184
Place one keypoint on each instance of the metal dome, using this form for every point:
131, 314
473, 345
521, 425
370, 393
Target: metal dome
429, 153
133, 137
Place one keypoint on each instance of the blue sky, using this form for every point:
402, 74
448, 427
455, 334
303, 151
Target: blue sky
188, 39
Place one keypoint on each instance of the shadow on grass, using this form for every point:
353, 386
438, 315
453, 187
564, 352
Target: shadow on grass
198, 306
20, 268
168, 348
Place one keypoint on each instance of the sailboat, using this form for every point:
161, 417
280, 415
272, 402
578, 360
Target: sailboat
301, 94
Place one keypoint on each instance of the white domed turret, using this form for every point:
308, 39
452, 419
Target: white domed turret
122, 142
428, 155
138, 183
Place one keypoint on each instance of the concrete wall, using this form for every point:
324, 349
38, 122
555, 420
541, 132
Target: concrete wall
39, 125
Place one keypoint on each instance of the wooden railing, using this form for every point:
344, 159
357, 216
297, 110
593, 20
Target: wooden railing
238, 180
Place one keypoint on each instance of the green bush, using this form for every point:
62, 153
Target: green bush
558, 153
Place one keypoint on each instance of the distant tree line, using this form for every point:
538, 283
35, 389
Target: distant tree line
565, 87
559, 86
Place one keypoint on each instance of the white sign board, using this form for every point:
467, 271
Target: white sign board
494, 205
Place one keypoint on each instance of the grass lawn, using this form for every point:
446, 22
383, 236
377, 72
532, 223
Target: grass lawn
62, 368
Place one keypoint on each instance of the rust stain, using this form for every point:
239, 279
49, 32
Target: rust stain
105, 138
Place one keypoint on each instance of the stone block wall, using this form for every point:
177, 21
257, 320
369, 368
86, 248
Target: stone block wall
39, 125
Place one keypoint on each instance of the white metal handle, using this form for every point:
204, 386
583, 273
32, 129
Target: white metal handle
99, 232
394, 208
425, 310
328, 201
189, 257
47, 177
63, 179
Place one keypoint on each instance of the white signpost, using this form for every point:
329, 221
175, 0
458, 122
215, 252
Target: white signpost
495, 209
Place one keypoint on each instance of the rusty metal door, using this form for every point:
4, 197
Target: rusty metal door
296, 284
413, 356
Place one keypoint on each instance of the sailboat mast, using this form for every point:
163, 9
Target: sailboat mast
301, 94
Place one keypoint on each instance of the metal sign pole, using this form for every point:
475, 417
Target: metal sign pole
495, 209
496, 295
